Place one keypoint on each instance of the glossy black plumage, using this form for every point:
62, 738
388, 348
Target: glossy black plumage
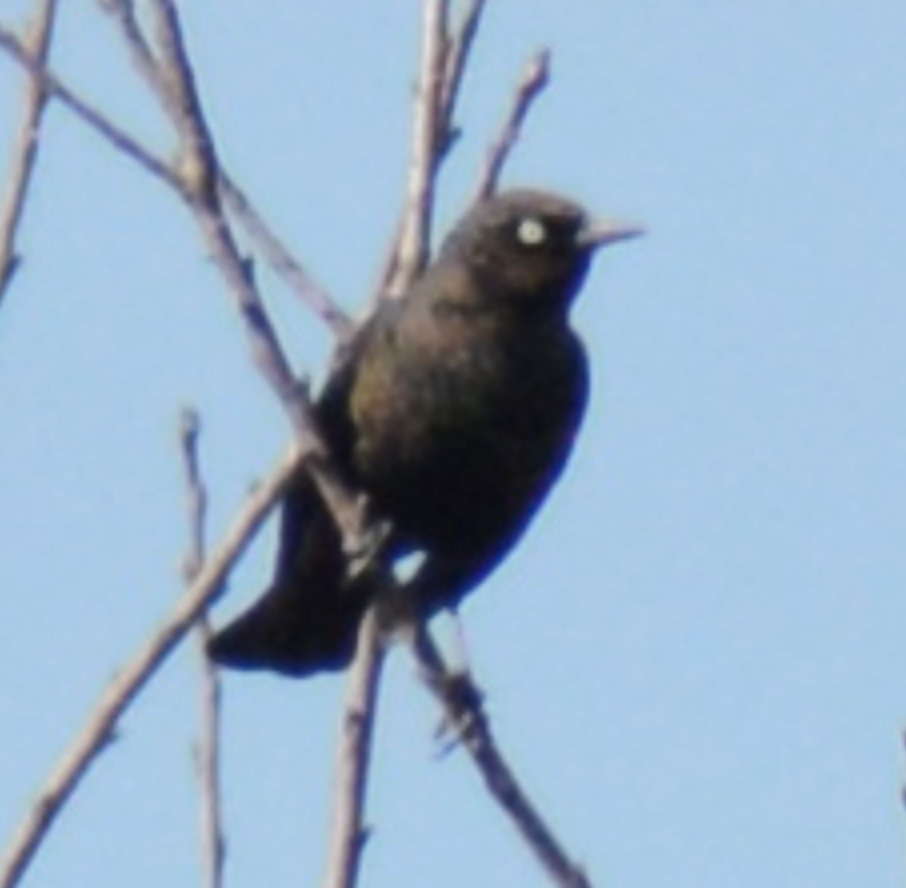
455, 414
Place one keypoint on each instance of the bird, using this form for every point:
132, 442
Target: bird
454, 413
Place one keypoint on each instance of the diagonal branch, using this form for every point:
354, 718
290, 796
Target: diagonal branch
200, 173
173, 84
86, 113
36, 45
196, 180
456, 63
122, 692
465, 712
534, 79
143, 56
284, 263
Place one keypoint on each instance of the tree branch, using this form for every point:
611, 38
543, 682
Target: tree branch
411, 250
86, 113
447, 75
25, 150
456, 63
349, 832
200, 175
99, 728
284, 263
213, 844
465, 712
534, 79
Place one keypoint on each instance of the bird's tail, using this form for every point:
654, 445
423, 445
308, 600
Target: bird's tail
308, 620
292, 631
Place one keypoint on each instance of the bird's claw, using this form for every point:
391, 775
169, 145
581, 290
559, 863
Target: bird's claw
367, 547
464, 711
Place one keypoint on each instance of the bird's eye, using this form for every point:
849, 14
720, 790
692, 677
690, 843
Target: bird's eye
531, 232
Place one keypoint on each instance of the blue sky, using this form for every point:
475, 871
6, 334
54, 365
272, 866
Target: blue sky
697, 658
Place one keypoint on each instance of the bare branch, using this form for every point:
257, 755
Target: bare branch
88, 114
349, 832
200, 175
196, 494
534, 79
184, 113
283, 262
99, 729
457, 59
25, 151
142, 54
213, 838
444, 61
169, 74
179, 95
213, 843
462, 702
196, 181
272, 248
411, 252
188, 184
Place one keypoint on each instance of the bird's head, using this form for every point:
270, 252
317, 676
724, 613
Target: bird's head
531, 246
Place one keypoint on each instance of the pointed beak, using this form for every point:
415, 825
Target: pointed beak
603, 232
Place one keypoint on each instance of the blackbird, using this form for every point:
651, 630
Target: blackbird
454, 413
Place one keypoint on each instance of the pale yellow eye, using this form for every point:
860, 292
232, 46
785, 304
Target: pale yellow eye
531, 232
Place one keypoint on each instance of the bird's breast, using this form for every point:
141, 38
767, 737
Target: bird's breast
463, 423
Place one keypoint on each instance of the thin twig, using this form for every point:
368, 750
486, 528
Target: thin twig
99, 729
456, 63
451, 71
467, 717
198, 165
25, 151
534, 79
269, 354
87, 113
196, 494
213, 844
272, 248
411, 252
284, 263
349, 832
142, 55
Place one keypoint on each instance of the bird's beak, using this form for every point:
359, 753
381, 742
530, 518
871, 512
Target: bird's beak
602, 232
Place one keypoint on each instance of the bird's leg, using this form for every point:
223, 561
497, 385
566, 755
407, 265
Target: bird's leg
369, 543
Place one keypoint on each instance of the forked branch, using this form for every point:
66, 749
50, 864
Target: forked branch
36, 46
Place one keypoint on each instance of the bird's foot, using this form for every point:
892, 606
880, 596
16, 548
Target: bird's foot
365, 552
464, 710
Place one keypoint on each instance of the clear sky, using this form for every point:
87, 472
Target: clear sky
697, 658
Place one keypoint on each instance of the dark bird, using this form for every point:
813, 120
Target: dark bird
455, 414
